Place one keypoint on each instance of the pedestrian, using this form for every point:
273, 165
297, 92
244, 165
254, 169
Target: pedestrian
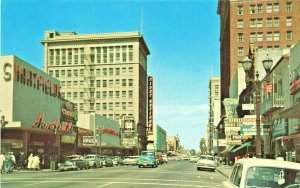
29, 164
21, 161
36, 162
9, 162
2, 159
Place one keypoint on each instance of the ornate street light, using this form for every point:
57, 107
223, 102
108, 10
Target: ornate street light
247, 65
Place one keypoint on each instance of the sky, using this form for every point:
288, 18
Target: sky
182, 36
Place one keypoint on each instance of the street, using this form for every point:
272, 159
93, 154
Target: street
172, 174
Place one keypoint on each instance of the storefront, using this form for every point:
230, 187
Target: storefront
32, 118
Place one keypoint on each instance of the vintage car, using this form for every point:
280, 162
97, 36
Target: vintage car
257, 173
194, 159
117, 160
106, 161
206, 162
146, 159
79, 161
165, 158
131, 160
93, 161
67, 165
159, 158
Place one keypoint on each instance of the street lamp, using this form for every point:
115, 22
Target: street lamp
137, 137
99, 132
248, 65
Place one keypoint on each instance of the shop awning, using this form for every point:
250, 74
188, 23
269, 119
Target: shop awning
241, 146
291, 136
292, 112
227, 149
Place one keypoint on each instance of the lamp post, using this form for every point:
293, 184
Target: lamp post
99, 132
248, 66
137, 137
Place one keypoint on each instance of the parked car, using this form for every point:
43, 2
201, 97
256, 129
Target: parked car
165, 158
147, 158
106, 161
159, 158
93, 161
117, 160
67, 165
79, 161
257, 173
131, 160
194, 159
206, 162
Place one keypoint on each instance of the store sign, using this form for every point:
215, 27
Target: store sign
150, 104
89, 140
128, 123
6, 71
232, 142
247, 106
251, 130
280, 127
268, 88
295, 83
32, 79
111, 131
241, 137
68, 112
230, 107
55, 125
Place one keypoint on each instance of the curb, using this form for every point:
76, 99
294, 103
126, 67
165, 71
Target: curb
224, 174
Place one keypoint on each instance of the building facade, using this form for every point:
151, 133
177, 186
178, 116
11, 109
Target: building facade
266, 24
34, 118
101, 73
158, 140
214, 113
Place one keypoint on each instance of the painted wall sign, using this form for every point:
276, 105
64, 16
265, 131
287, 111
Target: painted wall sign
150, 104
7, 73
55, 125
110, 131
32, 79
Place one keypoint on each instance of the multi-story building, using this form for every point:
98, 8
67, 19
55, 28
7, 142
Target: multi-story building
102, 73
158, 140
267, 24
214, 113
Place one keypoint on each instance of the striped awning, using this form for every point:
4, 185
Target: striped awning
242, 146
227, 149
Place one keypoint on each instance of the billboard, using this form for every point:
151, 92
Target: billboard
150, 104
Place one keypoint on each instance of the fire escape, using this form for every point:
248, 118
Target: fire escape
89, 81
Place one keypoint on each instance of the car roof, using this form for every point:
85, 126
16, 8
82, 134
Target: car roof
207, 155
249, 162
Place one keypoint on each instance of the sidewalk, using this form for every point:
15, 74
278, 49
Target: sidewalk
31, 171
225, 170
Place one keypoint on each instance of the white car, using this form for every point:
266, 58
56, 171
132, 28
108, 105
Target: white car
194, 159
250, 172
131, 160
206, 162
165, 158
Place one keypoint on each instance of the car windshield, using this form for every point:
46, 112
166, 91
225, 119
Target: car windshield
207, 157
73, 157
272, 177
147, 153
89, 157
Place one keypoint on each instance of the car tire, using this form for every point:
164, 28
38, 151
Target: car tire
94, 166
140, 166
198, 169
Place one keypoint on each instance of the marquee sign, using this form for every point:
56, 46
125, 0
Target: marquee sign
150, 104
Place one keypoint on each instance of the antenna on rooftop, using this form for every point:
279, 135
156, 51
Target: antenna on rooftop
142, 17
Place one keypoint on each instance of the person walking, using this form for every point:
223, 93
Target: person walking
21, 161
2, 159
9, 163
36, 162
29, 164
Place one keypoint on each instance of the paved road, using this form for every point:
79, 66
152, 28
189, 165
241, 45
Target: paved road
173, 174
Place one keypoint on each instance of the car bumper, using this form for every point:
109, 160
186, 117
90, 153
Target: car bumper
212, 167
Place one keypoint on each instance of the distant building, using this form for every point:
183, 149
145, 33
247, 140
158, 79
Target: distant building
172, 144
157, 141
102, 73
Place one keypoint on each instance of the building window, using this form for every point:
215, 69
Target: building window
289, 6
75, 72
98, 107
117, 105
124, 94
81, 83
104, 106
104, 54
124, 54
111, 94
118, 54
110, 83
123, 105
259, 8
276, 7
240, 24
130, 105
117, 82
130, 69
98, 82
276, 36
117, 71
269, 22
110, 106
98, 49
75, 95
57, 73
57, 57
104, 83
259, 22
289, 35
259, 37
92, 83
111, 71
288, 21
63, 73
130, 94
130, 82
269, 36
240, 9
63, 83
252, 37
124, 82
117, 94
81, 72
75, 83
82, 55
98, 94
69, 83
51, 57
104, 70
111, 54
69, 56
63, 57
276, 22
252, 23
98, 72
240, 37
252, 9
69, 95
69, 73
81, 95
130, 48
269, 8
240, 51
104, 94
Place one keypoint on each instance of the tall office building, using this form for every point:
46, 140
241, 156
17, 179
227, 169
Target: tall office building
102, 73
267, 24
214, 113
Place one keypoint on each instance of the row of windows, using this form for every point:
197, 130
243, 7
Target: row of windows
111, 54
97, 94
241, 49
270, 36
93, 72
269, 8
98, 83
270, 22
109, 106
